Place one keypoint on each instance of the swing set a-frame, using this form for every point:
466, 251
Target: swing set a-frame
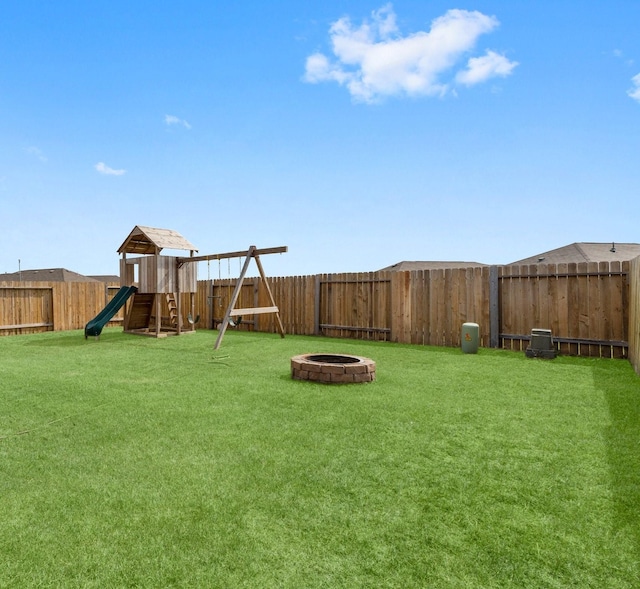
253, 253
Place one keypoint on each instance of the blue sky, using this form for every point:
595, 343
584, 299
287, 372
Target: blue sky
357, 133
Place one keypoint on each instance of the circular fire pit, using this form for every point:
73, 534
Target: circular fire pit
333, 368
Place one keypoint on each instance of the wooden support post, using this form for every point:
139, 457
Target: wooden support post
234, 298
192, 300
316, 305
192, 306
176, 269
211, 299
157, 290
494, 308
158, 314
273, 303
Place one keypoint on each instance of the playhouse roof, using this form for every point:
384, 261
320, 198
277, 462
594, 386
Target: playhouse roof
150, 240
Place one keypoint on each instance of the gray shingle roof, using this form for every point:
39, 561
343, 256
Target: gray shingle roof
404, 266
46, 275
585, 252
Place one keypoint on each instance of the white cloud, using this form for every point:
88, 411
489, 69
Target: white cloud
480, 69
171, 120
635, 91
618, 54
374, 60
104, 169
36, 152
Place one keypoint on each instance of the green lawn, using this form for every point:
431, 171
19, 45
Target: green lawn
135, 462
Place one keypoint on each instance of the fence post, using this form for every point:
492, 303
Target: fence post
494, 308
633, 333
316, 305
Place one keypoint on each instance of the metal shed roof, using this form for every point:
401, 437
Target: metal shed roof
151, 240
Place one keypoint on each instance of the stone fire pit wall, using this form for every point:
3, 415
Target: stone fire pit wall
333, 368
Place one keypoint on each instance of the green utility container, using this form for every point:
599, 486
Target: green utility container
470, 338
542, 345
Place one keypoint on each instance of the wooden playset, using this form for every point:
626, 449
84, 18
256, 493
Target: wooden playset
163, 281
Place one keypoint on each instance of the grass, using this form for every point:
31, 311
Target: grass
135, 462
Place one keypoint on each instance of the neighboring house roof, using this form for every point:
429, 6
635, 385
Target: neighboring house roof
404, 266
585, 252
106, 278
151, 240
46, 275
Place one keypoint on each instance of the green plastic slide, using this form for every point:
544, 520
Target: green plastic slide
94, 327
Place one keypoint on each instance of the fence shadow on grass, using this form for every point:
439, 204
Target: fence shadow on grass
623, 439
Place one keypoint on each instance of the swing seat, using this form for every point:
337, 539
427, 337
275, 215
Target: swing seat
191, 320
253, 311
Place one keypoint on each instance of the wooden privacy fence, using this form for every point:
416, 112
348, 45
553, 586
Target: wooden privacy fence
33, 307
585, 305
25, 309
592, 309
387, 306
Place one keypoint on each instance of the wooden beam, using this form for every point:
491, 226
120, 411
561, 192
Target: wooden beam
26, 325
29, 287
256, 252
350, 328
